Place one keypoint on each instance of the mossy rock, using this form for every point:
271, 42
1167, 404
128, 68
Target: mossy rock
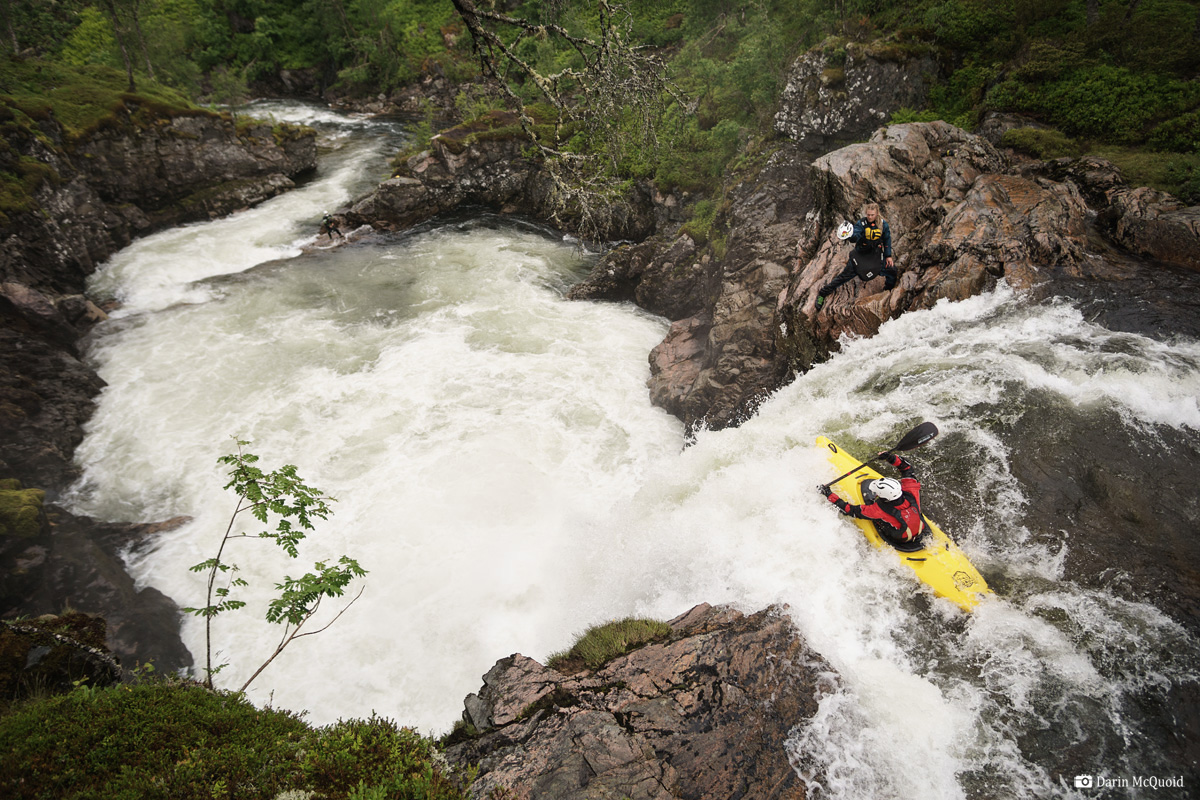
21, 511
53, 654
833, 76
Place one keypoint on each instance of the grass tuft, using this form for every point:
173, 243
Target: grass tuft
600, 644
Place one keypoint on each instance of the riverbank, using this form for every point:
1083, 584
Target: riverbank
146, 167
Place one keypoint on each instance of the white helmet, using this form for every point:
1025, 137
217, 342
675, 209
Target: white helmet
844, 230
886, 489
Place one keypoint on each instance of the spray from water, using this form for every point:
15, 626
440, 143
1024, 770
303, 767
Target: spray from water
501, 473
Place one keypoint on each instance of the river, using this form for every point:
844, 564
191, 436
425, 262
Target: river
499, 470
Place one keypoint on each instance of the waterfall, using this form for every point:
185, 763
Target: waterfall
499, 470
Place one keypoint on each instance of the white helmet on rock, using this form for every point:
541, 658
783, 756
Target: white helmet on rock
886, 489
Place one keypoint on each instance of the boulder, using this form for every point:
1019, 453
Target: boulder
72, 561
487, 162
1155, 224
842, 91
54, 654
960, 221
705, 714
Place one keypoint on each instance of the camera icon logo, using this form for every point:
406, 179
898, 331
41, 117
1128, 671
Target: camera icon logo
1084, 782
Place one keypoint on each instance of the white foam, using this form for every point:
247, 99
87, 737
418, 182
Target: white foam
500, 471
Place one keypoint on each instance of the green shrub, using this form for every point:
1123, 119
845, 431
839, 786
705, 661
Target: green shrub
1179, 135
903, 115
150, 741
602, 643
182, 742
1103, 102
1041, 143
374, 757
1183, 180
699, 227
973, 26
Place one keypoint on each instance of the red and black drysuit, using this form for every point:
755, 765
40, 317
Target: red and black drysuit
899, 520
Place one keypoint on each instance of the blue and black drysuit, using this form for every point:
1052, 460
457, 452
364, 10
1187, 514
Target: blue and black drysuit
869, 239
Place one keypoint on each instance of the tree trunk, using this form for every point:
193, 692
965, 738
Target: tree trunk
137, 28
116, 23
1093, 12
6, 10
1133, 4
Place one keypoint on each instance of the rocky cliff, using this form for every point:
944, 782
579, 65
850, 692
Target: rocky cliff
143, 170
963, 212
706, 714
484, 163
842, 91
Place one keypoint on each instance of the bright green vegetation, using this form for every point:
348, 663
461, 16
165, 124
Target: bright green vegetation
82, 101
282, 500
1104, 74
602, 643
20, 510
181, 741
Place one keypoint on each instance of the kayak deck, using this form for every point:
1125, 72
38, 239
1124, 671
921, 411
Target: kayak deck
938, 562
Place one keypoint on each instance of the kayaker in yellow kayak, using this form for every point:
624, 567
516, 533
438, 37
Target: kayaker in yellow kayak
894, 507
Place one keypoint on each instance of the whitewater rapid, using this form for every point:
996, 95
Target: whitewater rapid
499, 470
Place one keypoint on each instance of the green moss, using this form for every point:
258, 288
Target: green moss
285, 132
833, 76
1041, 143
84, 101
20, 512
602, 643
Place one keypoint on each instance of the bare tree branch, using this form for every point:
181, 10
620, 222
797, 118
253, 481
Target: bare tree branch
615, 97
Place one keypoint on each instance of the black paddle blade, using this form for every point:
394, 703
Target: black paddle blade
917, 437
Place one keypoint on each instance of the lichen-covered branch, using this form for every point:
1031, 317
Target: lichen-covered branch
612, 99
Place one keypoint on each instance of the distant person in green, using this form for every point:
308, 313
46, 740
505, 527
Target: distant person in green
329, 227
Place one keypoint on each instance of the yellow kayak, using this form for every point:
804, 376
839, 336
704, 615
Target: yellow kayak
937, 560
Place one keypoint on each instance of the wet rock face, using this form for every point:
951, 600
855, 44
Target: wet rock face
703, 715
130, 179
1154, 224
46, 396
75, 561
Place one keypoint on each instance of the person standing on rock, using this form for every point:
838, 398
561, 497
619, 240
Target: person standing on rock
872, 239
329, 227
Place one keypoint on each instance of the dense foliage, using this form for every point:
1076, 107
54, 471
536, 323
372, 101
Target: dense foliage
1101, 72
181, 741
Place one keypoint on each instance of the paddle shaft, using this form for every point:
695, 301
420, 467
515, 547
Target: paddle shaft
911, 441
